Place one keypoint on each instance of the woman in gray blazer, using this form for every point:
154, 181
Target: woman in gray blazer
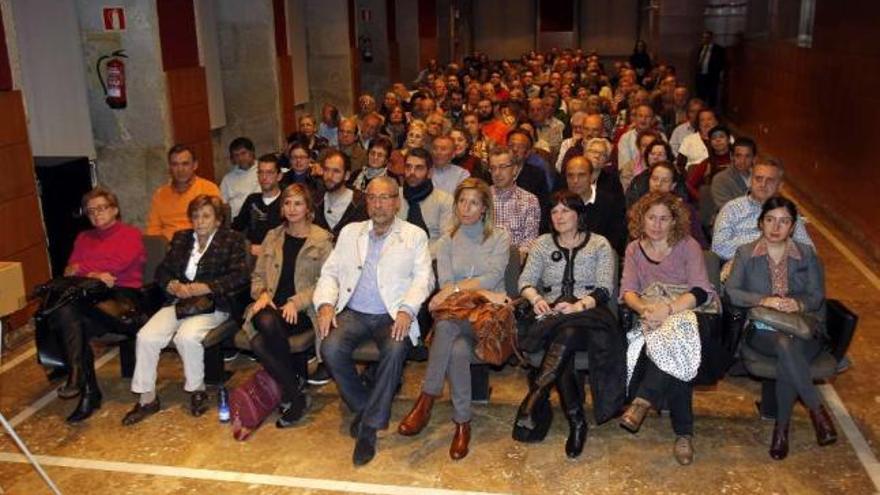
782, 274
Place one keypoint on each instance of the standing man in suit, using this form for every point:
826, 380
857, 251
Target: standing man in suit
710, 65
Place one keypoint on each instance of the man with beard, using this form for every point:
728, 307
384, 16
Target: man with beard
339, 205
424, 205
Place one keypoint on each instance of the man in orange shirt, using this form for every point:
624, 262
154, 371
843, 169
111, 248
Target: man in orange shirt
169, 204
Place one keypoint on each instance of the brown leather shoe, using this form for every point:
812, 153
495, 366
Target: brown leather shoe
140, 412
416, 420
683, 451
779, 444
634, 415
825, 432
459, 448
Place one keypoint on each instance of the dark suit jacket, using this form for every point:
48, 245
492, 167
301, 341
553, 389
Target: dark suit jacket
356, 212
717, 60
606, 216
223, 267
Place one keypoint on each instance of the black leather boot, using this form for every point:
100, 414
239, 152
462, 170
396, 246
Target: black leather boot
550, 366
90, 395
779, 443
71, 329
572, 399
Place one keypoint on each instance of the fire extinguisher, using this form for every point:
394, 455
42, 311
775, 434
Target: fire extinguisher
114, 83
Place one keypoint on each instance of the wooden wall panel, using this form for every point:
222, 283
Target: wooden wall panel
177, 30
816, 108
190, 120
5, 70
17, 171
21, 224
13, 128
286, 96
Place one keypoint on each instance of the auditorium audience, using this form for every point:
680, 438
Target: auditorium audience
339, 205
378, 154
733, 182
424, 205
516, 210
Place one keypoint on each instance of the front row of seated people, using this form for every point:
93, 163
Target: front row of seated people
372, 285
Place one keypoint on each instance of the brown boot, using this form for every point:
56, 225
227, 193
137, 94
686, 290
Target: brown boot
825, 432
416, 420
459, 448
635, 414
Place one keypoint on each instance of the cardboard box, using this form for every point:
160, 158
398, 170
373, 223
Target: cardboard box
12, 294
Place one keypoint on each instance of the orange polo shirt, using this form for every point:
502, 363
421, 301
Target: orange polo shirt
168, 208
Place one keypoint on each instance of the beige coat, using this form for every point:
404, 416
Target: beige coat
309, 261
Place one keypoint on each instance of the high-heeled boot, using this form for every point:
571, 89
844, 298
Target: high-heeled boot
572, 400
826, 434
90, 395
72, 334
779, 443
553, 360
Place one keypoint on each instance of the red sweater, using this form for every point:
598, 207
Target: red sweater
118, 250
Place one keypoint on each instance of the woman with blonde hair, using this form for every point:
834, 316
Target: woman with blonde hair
282, 284
471, 257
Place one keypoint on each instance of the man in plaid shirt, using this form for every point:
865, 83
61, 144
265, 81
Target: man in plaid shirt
516, 209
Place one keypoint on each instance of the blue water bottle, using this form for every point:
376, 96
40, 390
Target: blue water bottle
223, 405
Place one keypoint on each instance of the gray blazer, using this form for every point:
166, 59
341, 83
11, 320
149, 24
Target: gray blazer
749, 281
437, 212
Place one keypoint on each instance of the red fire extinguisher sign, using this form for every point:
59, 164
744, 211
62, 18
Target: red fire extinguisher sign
114, 18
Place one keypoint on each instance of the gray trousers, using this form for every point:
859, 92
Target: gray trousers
793, 379
452, 352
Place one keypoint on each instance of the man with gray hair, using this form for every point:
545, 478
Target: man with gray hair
371, 288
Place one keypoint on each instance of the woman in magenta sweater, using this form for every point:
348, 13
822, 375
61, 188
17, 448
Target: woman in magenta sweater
112, 252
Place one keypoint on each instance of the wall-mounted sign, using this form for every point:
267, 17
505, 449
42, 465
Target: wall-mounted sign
114, 18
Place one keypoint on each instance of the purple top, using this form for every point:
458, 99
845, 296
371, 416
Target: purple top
683, 266
118, 250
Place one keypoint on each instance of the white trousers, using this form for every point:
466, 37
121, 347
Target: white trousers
188, 335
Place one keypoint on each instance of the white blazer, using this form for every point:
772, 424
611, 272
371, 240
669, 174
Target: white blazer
404, 269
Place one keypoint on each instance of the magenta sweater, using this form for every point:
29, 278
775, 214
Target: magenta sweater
118, 250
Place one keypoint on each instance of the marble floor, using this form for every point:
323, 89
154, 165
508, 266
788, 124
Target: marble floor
173, 453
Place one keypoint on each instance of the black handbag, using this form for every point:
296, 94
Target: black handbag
192, 306
54, 295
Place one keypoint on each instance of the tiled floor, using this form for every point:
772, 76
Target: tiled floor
315, 457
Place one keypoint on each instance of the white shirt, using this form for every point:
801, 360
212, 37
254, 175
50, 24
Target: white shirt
566, 145
237, 185
693, 148
682, 131
192, 266
448, 177
335, 207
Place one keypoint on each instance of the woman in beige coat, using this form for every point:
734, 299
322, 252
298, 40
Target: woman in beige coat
282, 284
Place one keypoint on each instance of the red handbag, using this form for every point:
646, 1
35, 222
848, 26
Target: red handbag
252, 402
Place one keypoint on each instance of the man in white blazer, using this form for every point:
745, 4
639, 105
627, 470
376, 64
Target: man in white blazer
371, 287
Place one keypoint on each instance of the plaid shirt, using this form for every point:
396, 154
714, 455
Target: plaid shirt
518, 212
737, 224
223, 267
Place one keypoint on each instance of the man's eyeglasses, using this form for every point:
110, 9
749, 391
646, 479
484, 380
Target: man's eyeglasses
496, 168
